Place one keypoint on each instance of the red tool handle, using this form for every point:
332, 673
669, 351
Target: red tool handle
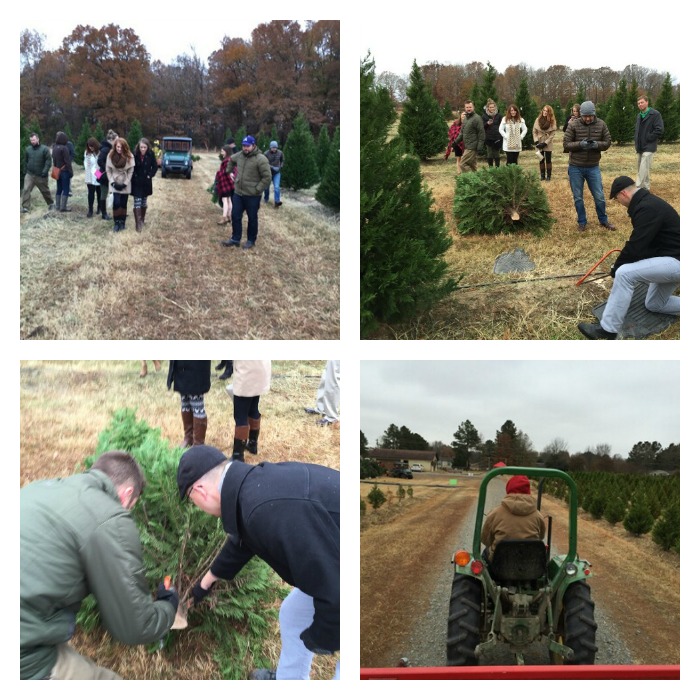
615, 250
167, 581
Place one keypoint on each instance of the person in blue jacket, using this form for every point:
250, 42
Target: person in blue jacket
288, 514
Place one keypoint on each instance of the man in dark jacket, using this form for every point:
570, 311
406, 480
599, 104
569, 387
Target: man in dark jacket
77, 537
471, 137
584, 140
648, 128
652, 255
287, 514
37, 163
252, 179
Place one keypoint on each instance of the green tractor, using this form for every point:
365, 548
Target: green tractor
524, 595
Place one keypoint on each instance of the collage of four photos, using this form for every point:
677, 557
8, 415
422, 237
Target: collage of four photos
180, 193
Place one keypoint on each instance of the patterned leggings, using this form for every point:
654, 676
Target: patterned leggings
194, 403
140, 202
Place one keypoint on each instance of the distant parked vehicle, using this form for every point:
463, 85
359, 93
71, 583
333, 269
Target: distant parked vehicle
416, 468
177, 156
401, 473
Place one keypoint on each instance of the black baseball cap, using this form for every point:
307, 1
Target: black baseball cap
619, 184
195, 463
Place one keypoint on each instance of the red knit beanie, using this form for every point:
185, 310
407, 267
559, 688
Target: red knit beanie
518, 484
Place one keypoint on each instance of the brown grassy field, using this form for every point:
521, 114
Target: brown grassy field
547, 310
65, 405
78, 280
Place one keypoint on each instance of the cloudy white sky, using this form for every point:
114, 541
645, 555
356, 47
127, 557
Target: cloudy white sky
584, 403
580, 36
166, 29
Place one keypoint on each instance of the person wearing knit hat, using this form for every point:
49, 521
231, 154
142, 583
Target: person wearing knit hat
288, 515
276, 158
584, 140
652, 256
516, 518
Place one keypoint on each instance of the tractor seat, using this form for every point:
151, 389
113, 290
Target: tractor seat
519, 561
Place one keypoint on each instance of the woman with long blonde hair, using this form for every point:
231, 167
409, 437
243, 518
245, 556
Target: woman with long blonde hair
543, 132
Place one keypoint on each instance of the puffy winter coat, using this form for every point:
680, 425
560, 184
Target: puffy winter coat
516, 518
75, 539
576, 132
121, 176
472, 135
254, 175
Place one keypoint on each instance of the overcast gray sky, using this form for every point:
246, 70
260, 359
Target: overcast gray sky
613, 35
166, 29
585, 403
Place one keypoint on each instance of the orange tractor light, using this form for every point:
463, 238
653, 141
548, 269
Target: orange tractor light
461, 557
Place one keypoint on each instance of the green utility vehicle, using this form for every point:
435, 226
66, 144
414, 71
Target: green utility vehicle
525, 595
177, 156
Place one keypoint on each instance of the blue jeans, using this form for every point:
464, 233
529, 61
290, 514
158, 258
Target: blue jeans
63, 184
249, 205
276, 177
661, 274
591, 175
296, 614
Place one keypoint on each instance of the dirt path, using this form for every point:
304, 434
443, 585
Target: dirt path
636, 585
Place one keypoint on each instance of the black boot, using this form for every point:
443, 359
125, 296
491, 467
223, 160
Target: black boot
228, 371
541, 170
220, 366
103, 209
238, 450
253, 435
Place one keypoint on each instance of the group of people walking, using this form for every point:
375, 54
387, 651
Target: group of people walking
110, 168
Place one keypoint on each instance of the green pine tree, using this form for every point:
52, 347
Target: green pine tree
667, 530
262, 141
402, 238
528, 110
639, 519
323, 144
620, 118
300, 170
99, 132
239, 136
81, 143
422, 126
447, 113
501, 200
376, 497
135, 135
484, 90
328, 192
669, 107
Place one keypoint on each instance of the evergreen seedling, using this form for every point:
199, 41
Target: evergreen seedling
667, 530
639, 519
376, 497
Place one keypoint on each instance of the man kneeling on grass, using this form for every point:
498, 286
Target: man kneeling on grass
651, 255
287, 514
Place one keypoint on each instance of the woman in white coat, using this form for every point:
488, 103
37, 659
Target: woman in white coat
513, 130
251, 379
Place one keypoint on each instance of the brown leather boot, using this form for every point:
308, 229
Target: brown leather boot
200, 430
188, 425
138, 219
143, 215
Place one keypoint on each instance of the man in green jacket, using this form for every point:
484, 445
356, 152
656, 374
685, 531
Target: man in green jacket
78, 537
252, 179
472, 136
37, 163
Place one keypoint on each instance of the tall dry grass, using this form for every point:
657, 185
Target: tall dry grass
78, 280
547, 310
64, 405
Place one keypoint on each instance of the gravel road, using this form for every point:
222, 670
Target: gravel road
427, 645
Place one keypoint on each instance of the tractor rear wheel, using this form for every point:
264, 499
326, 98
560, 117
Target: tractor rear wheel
577, 626
464, 621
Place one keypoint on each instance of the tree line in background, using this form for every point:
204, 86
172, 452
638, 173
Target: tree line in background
425, 111
514, 447
105, 75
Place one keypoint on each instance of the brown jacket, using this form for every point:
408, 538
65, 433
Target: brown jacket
576, 132
517, 518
